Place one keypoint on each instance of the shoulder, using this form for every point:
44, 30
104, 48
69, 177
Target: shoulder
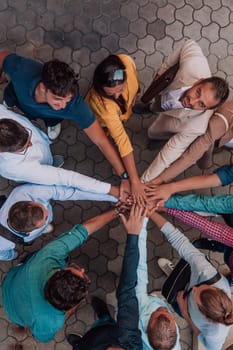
48, 321
15, 62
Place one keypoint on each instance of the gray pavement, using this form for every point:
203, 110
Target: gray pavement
82, 33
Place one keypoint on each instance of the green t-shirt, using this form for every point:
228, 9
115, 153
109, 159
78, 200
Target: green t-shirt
23, 286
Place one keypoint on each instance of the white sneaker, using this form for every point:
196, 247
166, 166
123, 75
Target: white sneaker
54, 131
48, 229
58, 160
166, 266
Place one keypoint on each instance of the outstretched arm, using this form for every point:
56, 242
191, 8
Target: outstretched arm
137, 187
164, 192
97, 222
98, 137
211, 229
220, 204
216, 129
129, 335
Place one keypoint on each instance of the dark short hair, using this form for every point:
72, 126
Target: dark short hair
65, 290
60, 78
23, 216
104, 76
221, 88
162, 336
13, 136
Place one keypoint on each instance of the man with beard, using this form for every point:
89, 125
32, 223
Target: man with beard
184, 107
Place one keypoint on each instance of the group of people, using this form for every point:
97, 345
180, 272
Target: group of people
191, 118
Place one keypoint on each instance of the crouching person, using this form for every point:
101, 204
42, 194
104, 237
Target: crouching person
44, 290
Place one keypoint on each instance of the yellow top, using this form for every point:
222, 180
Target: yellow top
108, 112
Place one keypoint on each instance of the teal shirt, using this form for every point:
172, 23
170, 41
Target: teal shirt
23, 286
220, 203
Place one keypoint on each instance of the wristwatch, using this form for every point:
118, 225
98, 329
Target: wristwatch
124, 176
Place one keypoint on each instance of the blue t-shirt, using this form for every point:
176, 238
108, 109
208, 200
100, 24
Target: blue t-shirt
25, 75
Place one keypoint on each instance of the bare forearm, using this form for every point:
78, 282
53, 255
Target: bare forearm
96, 223
3, 55
115, 191
111, 155
97, 135
158, 219
195, 182
130, 167
191, 324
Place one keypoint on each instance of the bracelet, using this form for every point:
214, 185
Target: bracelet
117, 210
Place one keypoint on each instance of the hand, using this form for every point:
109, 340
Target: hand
138, 193
124, 207
134, 223
3, 78
182, 302
156, 181
125, 190
156, 76
158, 192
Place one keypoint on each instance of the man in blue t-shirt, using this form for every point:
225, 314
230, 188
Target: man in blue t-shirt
50, 91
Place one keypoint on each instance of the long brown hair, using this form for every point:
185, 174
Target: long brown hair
216, 305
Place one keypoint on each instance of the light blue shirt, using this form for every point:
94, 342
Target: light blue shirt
171, 99
212, 334
147, 303
35, 166
43, 194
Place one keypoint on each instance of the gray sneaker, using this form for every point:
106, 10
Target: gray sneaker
166, 266
54, 131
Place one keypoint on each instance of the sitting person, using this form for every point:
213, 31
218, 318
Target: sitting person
25, 156
113, 93
206, 305
218, 134
158, 328
41, 292
185, 106
28, 213
124, 334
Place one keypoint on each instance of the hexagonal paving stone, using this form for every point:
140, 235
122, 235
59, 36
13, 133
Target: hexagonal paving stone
148, 12
185, 14
167, 14
203, 15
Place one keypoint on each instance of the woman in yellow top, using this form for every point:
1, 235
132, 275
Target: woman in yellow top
111, 98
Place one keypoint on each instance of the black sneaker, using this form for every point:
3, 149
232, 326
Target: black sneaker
156, 144
204, 243
141, 108
100, 307
74, 340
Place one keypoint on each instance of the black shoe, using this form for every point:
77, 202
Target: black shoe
204, 243
141, 108
100, 307
74, 339
228, 218
156, 144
